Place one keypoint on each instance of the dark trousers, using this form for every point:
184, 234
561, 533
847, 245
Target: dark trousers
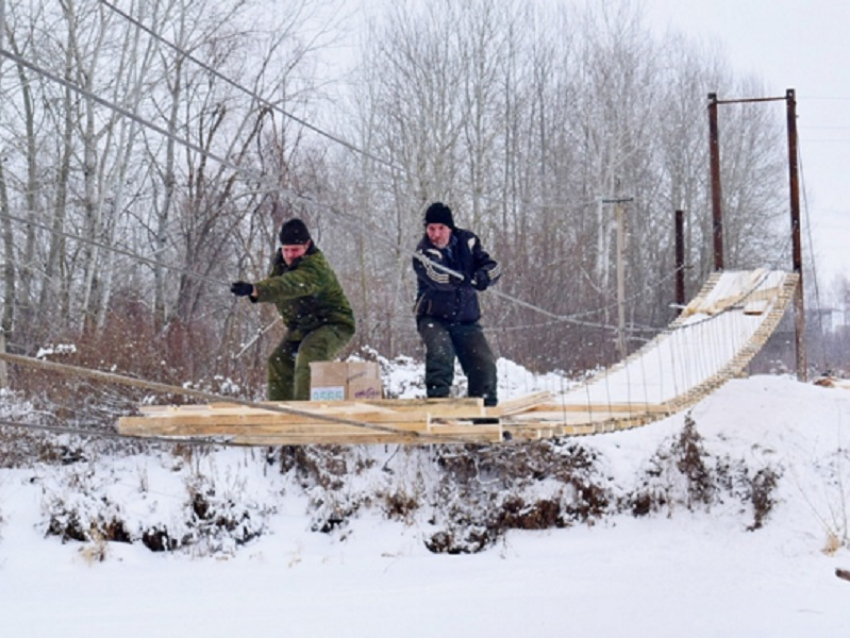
466, 341
289, 363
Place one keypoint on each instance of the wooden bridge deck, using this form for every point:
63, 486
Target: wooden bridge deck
712, 341
416, 421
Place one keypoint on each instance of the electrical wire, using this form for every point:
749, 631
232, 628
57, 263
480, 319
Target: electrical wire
303, 122
354, 224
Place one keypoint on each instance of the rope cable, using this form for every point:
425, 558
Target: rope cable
112, 378
810, 240
254, 96
330, 136
356, 225
113, 248
109, 434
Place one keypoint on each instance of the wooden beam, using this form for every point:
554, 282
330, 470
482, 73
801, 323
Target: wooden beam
376, 438
521, 404
606, 408
406, 421
394, 408
317, 433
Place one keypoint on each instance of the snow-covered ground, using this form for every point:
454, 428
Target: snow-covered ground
674, 572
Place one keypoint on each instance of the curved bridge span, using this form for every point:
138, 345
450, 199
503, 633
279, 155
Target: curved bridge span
712, 341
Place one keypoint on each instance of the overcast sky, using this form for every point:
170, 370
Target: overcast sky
799, 44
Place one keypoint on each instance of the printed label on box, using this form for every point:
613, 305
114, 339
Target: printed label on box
367, 393
331, 393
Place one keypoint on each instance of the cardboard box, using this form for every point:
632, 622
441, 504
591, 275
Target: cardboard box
345, 381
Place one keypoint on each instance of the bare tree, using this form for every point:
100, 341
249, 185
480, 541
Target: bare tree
522, 117
525, 121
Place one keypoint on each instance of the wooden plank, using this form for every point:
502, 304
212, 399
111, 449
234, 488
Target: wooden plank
396, 421
278, 407
520, 404
443, 433
448, 408
579, 430
268, 426
765, 295
533, 431
756, 307
377, 438
141, 426
392, 409
209, 412
609, 408
214, 419
594, 419
218, 423
531, 419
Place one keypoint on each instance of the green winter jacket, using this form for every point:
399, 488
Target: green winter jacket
307, 294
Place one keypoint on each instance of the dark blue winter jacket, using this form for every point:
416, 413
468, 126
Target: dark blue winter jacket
443, 296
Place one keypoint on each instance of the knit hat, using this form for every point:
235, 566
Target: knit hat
439, 213
294, 232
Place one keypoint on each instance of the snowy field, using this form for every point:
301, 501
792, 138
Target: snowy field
679, 572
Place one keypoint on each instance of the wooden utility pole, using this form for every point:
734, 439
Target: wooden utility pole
680, 258
716, 199
620, 212
797, 251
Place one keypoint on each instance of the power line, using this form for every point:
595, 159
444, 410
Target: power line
211, 397
113, 248
239, 87
259, 99
112, 378
356, 225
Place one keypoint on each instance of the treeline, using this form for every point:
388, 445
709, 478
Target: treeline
151, 149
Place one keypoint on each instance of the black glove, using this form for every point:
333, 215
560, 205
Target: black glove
482, 280
241, 288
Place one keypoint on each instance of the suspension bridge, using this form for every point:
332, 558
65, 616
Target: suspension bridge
713, 340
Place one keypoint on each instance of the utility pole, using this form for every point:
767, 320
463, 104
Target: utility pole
620, 212
797, 256
680, 258
716, 199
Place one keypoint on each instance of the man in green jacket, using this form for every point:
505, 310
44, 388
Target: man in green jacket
317, 315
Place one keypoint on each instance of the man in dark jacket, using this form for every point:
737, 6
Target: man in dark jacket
447, 310
318, 318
